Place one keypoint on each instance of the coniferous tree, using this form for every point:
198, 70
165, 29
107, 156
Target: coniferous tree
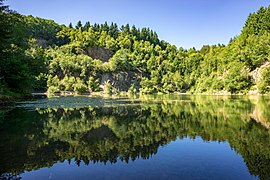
70, 25
86, 26
79, 25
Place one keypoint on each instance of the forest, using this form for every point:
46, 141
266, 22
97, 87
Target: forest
39, 55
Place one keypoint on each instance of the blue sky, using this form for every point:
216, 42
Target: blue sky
184, 23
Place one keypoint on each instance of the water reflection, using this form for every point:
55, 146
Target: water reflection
32, 139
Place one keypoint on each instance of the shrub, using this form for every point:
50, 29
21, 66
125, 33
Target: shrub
132, 89
107, 88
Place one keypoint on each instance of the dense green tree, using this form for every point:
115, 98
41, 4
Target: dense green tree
5, 27
70, 25
237, 78
79, 25
113, 30
86, 26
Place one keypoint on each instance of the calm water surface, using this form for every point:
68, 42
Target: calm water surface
146, 137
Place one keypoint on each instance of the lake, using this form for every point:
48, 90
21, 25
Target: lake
143, 137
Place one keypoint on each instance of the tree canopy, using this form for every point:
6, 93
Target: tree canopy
41, 55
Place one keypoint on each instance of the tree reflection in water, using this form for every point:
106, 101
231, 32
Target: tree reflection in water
32, 139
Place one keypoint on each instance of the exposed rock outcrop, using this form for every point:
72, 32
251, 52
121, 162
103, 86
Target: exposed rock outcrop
120, 80
257, 76
99, 53
257, 73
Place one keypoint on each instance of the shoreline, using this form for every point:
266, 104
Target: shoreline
8, 100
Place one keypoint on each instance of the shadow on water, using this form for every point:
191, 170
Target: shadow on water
112, 130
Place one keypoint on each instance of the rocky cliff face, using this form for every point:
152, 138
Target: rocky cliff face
120, 80
42, 42
257, 75
99, 53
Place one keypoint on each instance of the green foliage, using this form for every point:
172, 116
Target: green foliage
79, 86
107, 88
79, 25
93, 84
53, 90
147, 86
258, 22
237, 78
40, 82
264, 84
121, 61
53, 84
33, 49
132, 90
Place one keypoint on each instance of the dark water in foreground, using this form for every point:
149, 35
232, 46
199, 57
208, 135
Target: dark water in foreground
150, 137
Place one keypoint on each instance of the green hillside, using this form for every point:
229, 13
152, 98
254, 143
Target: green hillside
39, 55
